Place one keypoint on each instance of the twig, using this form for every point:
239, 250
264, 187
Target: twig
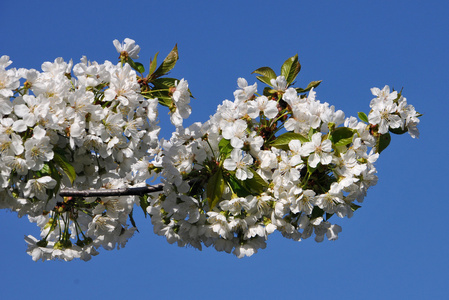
139, 191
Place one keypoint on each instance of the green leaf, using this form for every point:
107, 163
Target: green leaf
264, 79
354, 206
56, 176
144, 204
382, 142
225, 148
168, 63
265, 71
139, 68
316, 212
136, 66
45, 170
311, 85
363, 117
60, 159
153, 64
344, 142
251, 186
281, 142
341, 136
214, 189
165, 101
398, 130
268, 91
237, 186
257, 184
311, 132
164, 83
291, 68
131, 219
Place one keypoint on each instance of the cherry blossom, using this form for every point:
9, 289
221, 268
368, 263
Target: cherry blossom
281, 160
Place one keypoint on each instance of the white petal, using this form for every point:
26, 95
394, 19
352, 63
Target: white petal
229, 164
314, 159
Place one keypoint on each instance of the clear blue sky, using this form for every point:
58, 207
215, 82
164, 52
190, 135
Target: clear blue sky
395, 246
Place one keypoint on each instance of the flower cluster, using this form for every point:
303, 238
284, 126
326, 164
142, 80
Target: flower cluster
390, 112
84, 126
278, 161
281, 160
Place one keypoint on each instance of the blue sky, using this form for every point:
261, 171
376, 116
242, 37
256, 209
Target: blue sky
394, 247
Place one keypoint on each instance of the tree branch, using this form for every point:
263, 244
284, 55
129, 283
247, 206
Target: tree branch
131, 191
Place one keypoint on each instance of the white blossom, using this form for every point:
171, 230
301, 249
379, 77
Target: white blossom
240, 163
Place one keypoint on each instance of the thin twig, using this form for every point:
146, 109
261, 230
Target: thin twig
131, 191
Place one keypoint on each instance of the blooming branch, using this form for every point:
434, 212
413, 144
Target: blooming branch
78, 144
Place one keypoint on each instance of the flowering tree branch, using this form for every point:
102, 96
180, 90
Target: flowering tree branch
274, 160
131, 191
